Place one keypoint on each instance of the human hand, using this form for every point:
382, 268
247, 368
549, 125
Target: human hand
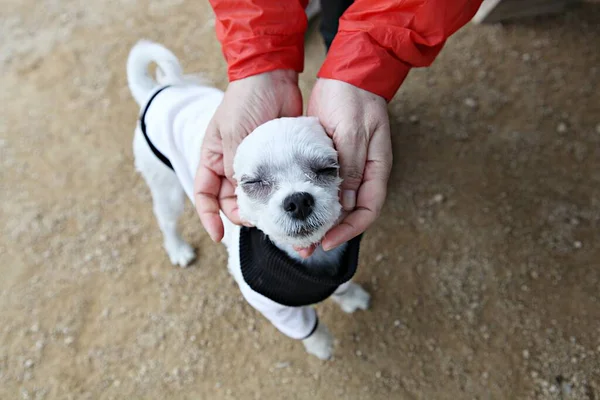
247, 103
358, 123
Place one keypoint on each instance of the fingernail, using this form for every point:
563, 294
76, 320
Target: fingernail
349, 199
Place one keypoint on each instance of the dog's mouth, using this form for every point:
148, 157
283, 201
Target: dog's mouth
305, 230
302, 231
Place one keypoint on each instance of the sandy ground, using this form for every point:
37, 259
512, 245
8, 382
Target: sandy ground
484, 267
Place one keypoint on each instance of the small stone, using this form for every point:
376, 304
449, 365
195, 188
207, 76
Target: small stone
378, 374
598, 129
39, 344
437, 199
561, 128
574, 221
413, 119
471, 103
526, 354
29, 363
397, 323
117, 383
577, 244
485, 375
526, 57
566, 388
69, 340
379, 257
282, 364
553, 389
534, 275
534, 374
358, 353
35, 328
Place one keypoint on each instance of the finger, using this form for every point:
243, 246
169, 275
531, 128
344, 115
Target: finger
228, 203
306, 252
352, 154
230, 146
206, 191
371, 194
353, 225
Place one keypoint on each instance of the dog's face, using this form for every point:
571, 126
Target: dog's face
288, 182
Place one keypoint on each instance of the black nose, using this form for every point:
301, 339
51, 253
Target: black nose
299, 205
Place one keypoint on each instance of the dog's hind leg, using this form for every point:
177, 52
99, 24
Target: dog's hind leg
168, 200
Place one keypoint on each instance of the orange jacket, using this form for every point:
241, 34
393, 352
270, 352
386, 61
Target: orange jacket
377, 43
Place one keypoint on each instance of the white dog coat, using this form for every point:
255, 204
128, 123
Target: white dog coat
271, 281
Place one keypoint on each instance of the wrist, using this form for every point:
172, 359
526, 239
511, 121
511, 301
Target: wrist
275, 76
329, 84
284, 75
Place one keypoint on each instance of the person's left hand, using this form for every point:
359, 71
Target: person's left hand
358, 123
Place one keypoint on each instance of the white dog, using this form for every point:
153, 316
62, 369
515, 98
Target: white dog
288, 187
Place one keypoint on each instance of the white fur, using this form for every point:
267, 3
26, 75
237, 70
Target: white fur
279, 145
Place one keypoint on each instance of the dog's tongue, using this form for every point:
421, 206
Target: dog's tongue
306, 252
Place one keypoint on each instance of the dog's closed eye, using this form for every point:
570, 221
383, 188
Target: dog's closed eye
254, 182
256, 188
329, 171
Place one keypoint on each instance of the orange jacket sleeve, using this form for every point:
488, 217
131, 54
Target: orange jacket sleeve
258, 36
378, 42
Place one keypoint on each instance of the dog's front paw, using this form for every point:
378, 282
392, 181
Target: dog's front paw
353, 298
180, 253
320, 343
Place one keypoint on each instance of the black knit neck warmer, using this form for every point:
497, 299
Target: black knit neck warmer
272, 273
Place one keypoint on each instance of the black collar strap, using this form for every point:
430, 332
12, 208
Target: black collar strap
272, 273
156, 152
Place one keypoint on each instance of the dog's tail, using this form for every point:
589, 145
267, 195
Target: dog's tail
140, 57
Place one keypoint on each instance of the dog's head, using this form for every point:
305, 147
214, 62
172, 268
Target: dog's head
288, 181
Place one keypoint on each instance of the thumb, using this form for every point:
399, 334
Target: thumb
352, 154
231, 141
228, 154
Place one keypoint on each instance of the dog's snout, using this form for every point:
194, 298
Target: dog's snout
299, 205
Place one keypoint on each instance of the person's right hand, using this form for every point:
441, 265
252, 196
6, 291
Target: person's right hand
247, 103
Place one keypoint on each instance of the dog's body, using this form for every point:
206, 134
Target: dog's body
287, 174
